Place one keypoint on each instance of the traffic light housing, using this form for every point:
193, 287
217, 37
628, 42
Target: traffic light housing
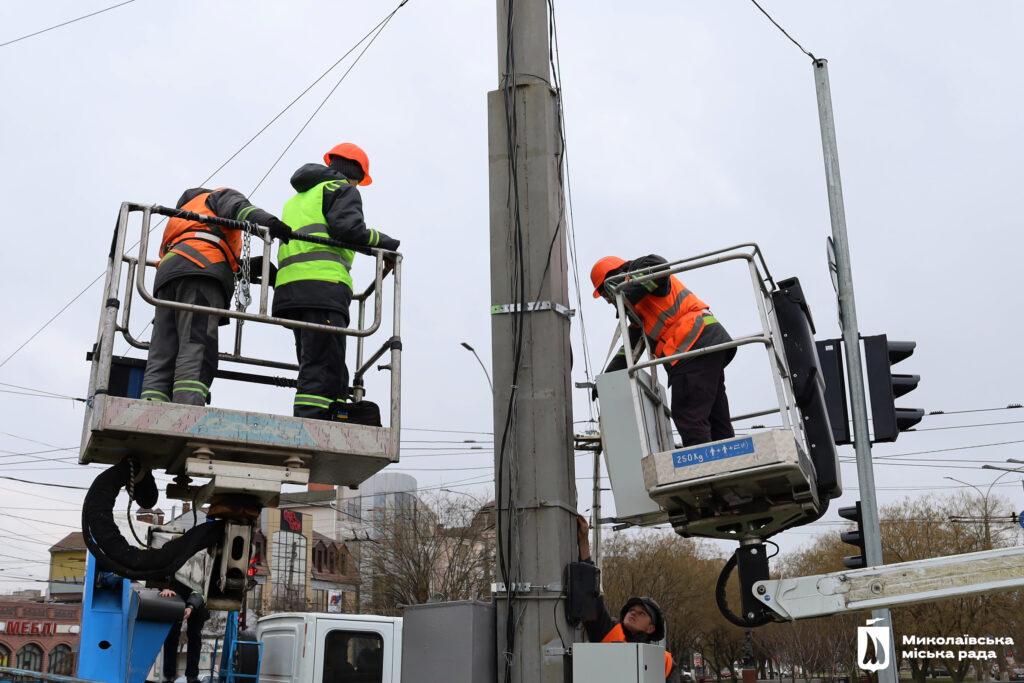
797, 328
856, 537
830, 357
880, 355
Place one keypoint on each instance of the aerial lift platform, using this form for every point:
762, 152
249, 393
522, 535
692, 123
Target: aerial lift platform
165, 435
748, 488
745, 488
244, 456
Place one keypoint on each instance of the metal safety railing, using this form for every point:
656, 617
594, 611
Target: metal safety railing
136, 262
769, 336
29, 676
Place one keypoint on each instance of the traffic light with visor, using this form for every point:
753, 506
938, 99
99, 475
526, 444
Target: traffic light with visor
809, 391
880, 355
855, 537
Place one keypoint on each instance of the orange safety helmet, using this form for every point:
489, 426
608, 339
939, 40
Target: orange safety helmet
600, 271
349, 150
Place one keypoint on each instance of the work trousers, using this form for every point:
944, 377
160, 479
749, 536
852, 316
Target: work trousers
193, 646
183, 347
700, 407
323, 375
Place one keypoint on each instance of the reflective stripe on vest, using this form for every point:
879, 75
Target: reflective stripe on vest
298, 260
674, 321
200, 243
617, 635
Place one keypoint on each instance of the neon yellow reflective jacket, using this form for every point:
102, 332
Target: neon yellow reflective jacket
306, 261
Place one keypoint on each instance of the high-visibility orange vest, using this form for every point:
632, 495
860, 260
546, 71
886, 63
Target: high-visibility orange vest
673, 321
201, 243
617, 635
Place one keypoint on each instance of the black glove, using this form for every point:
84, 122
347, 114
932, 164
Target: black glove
279, 230
593, 393
389, 243
256, 270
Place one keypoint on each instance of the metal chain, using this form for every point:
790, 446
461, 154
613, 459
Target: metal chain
242, 278
131, 496
131, 480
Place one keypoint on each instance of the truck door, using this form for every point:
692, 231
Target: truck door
353, 652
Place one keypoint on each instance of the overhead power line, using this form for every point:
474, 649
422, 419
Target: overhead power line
46, 483
783, 30
55, 316
71, 21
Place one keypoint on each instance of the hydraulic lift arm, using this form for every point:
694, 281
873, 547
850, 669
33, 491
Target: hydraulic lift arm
892, 585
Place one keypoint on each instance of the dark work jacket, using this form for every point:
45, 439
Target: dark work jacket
224, 203
343, 210
713, 333
192, 599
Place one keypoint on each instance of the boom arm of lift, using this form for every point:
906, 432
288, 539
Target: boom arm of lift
892, 585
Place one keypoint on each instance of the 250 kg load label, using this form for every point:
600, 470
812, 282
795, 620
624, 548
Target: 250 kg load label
718, 451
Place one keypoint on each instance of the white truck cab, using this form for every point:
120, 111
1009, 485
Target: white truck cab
302, 647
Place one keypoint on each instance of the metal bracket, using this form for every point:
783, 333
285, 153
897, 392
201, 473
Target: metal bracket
262, 481
534, 306
557, 651
556, 587
543, 503
517, 587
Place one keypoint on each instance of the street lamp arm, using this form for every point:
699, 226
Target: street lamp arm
482, 366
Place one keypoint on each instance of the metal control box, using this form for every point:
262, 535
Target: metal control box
633, 423
618, 663
449, 642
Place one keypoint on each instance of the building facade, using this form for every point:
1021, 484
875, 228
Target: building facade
39, 636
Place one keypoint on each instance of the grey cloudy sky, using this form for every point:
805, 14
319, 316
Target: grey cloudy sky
690, 126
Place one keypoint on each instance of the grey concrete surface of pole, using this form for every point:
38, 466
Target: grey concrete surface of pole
851, 341
535, 487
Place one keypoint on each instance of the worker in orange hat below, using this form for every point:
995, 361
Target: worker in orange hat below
675, 320
314, 283
640, 619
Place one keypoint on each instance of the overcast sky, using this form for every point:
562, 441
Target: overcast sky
690, 126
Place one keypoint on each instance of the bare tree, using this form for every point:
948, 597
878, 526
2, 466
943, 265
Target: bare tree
680, 575
434, 549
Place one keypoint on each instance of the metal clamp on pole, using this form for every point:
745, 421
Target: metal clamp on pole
534, 306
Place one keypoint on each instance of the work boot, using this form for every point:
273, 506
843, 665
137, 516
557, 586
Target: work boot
358, 412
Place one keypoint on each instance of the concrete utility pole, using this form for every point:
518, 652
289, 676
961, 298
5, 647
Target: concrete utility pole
851, 342
534, 468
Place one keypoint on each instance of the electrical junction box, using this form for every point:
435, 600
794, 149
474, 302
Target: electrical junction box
634, 422
618, 663
449, 642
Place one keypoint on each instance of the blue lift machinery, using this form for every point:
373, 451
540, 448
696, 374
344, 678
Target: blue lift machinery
243, 458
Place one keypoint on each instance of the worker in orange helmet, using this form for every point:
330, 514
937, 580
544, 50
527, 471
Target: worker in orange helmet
675, 321
314, 283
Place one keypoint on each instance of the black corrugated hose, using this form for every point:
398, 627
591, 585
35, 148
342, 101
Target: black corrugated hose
113, 552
